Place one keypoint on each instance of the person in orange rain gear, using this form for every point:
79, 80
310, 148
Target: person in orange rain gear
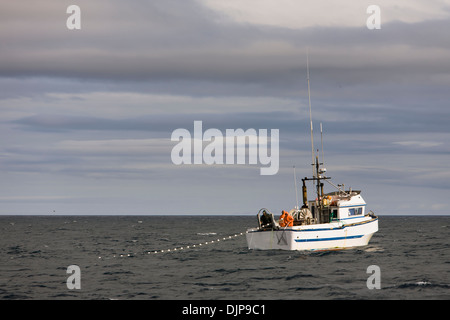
283, 216
289, 220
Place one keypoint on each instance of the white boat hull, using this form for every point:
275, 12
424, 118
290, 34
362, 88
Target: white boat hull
328, 236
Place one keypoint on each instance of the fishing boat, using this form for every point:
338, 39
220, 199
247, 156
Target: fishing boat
332, 221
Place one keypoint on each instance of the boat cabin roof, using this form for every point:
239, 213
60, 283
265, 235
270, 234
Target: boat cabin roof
340, 195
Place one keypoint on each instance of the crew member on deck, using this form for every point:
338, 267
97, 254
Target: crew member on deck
283, 216
289, 220
265, 220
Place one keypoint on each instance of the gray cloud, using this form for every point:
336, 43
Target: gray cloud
184, 40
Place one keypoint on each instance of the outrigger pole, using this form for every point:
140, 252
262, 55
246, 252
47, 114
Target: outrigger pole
295, 184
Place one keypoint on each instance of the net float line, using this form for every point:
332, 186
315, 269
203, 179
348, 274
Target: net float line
196, 245
130, 255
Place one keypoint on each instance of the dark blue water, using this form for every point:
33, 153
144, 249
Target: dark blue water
413, 255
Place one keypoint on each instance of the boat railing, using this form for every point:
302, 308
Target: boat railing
372, 214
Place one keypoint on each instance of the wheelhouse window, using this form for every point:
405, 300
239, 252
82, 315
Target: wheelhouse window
355, 211
333, 214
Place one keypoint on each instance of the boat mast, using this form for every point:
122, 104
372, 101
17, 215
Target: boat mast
315, 162
310, 112
317, 171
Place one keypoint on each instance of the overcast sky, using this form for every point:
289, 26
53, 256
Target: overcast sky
87, 115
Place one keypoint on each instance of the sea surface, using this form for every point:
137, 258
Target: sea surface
117, 260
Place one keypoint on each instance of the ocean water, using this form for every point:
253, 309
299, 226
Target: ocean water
116, 260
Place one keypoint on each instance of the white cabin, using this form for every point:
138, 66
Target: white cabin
339, 206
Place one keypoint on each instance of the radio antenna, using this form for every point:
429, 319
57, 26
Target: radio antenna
296, 193
321, 142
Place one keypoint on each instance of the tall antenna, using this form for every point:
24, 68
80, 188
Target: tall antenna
321, 142
310, 113
296, 193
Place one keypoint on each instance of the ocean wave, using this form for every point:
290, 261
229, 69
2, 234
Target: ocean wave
374, 249
299, 276
422, 284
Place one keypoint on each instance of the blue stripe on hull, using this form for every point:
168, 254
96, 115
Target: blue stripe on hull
329, 239
357, 224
